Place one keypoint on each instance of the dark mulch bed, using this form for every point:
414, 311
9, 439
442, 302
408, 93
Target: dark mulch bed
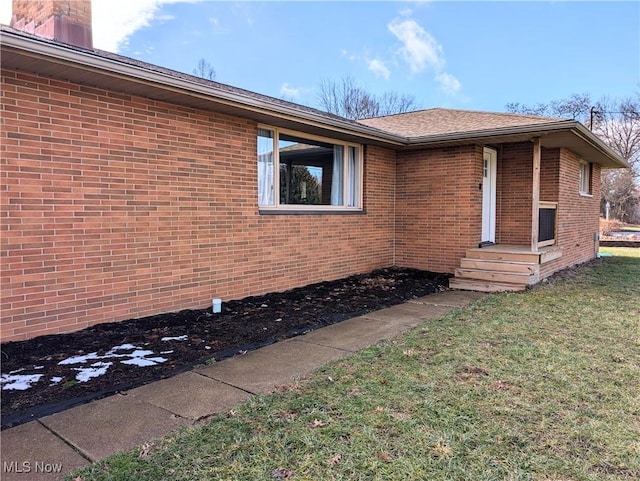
69, 369
620, 238
620, 243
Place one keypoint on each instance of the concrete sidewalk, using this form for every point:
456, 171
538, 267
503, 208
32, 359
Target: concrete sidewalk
53, 446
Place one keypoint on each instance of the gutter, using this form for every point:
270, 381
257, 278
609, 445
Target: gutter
533, 130
500, 131
88, 60
589, 137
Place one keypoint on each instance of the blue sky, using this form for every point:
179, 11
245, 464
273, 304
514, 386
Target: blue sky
470, 55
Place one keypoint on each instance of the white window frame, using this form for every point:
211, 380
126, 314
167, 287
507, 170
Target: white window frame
277, 206
584, 178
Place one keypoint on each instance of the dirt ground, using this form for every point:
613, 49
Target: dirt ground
51, 373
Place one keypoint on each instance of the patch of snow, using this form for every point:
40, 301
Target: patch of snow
19, 382
112, 353
140, 353
123, 347
176, 338
80, 359
139, 358
91, 365
97, 369
144, 361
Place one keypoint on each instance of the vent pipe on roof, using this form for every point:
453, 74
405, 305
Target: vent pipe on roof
65, 21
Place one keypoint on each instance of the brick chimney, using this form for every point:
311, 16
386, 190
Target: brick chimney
66, 21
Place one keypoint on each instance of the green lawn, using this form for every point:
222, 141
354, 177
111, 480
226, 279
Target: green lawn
621, 251
541, 385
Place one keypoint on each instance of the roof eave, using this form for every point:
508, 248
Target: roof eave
589, 137
261, 109
253, 107
600, 152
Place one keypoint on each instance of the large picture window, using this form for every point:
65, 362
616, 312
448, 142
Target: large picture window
296, 171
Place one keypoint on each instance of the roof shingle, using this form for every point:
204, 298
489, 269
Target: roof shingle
447, 121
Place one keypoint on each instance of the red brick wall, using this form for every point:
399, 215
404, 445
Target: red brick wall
67, 21
549, 175
578, 215
514, 194
439, 206
39, 11
559, 174
116, 207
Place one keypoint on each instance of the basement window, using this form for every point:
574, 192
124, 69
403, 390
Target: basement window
302, 172
586, 169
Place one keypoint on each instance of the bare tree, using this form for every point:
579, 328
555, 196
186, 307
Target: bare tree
204, 70
620, 190
576, 106
617, 122
347, 98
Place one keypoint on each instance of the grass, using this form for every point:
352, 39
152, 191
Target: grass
542, 385
621, 251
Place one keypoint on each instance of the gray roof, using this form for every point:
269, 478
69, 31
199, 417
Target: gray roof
439, 121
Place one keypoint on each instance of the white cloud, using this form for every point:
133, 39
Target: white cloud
449, 84
5, 12
379, 68
289, 92
217, 27
419, 49
350, 56
114, 21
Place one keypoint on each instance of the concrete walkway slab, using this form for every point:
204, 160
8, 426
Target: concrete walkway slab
121, 422
112, 425
450, 298
354, 334
190, 395
410, 315
263, 370
32, 452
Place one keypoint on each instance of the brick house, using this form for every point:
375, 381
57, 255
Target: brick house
130, 190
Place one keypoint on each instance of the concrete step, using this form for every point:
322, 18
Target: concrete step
516, 255
497, 276
484, 286
501, 266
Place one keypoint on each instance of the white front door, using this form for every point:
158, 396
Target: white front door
490, 158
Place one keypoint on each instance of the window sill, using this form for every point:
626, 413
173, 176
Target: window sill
263, 211
586, 194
